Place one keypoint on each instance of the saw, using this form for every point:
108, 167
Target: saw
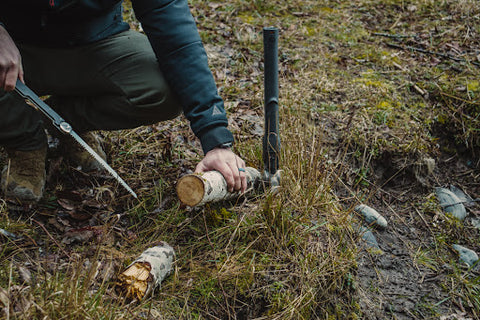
65, 128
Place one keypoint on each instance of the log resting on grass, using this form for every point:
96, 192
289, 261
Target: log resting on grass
144, 274
200, 188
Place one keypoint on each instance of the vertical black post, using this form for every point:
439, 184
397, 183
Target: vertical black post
271, 139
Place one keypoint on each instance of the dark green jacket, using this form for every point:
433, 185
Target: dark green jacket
170, 28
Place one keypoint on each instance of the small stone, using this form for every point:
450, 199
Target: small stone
451, 203
371, 216
412, 8
466, 255
464, 198
476, 223
369, 237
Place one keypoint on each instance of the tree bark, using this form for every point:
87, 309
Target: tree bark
146, 273
198, 189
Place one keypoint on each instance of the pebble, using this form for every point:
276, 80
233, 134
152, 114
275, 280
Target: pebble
464, 198
466, 255
371, 216
451, 203
368, 237
476, 223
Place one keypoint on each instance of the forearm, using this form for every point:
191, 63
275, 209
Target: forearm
173, 34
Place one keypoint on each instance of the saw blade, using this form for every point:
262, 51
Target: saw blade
64, 127
102, 162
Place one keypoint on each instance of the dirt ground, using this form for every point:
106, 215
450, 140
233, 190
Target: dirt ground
337, 65
406, 280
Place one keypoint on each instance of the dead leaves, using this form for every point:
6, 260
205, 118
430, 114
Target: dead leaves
15, 301
86, 234
79, 206
246, 121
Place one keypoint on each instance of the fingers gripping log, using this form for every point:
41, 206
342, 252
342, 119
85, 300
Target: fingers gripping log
198, 189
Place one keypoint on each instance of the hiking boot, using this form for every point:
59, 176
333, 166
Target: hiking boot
23, 179
80, 157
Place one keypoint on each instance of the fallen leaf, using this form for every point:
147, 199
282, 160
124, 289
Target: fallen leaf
20, 299
4, 298
80, 235
79, 215
25, 275
66, 204
73, 196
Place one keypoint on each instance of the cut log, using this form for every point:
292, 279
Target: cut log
200, 188
144, 274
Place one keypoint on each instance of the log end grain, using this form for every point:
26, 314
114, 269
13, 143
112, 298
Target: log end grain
135, 281
190, 189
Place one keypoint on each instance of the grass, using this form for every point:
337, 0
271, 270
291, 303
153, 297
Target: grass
351, 106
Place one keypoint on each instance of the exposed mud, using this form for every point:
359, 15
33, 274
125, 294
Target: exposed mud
409, 277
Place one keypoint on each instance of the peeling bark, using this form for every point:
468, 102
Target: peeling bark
144, 274
198, 189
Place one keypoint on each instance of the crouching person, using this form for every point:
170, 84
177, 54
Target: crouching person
102, 76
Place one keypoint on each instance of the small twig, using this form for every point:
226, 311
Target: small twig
51, 237
355, 107
443, 55
460, 99
6, 178
389, 35
461, 202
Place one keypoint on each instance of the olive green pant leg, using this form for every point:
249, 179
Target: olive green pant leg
21, 126
112, 84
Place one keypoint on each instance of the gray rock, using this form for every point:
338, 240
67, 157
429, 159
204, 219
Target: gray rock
466, 255
464, 198
451, 203
368, 236
371, 216
476, 222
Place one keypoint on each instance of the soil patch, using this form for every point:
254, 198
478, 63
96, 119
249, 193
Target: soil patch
408, 278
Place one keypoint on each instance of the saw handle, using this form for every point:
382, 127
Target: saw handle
26, 93
271, 139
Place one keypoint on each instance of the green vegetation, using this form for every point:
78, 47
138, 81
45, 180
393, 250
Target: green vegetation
356, 113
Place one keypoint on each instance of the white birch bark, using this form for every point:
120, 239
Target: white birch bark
198, 189
146, 273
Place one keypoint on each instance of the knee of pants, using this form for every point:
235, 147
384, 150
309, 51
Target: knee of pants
157, 106
155, 102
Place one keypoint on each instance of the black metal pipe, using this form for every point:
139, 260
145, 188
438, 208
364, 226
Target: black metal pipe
271, 139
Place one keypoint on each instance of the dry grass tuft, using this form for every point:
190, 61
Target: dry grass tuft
357, 114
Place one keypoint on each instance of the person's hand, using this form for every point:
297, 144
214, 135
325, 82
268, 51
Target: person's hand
228, 164
10, 62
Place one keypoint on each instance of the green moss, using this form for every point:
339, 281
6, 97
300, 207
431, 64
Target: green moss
473, 86
247, 18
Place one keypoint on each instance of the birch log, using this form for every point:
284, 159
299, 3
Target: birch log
198, 189
144, 274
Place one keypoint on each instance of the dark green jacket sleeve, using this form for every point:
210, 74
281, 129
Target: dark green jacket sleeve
173, 34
